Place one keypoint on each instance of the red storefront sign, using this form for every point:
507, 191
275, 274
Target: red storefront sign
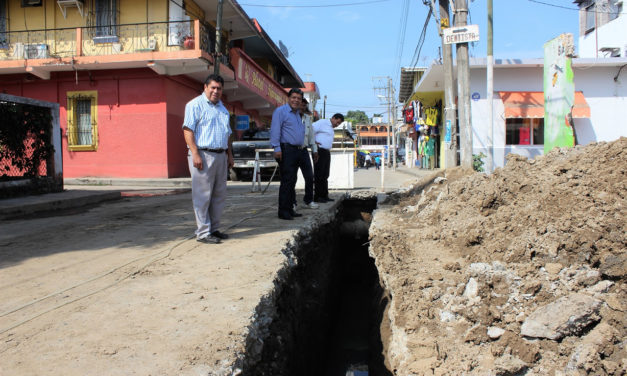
256, 79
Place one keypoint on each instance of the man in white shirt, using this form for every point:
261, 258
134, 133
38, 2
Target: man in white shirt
323, 133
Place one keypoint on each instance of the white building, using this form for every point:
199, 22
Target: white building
599, 114
602, 28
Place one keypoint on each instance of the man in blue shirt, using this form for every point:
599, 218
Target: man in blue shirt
287, 135
207, 132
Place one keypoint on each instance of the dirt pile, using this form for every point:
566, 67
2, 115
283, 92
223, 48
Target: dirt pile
519, 272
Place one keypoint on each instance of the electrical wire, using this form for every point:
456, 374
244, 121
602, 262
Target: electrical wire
400, 42
352, 106
314, 6
575, 9
421, 40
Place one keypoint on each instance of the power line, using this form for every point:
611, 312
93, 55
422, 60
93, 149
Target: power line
356, 106
401, 37
575, 9
421, 40
314, 6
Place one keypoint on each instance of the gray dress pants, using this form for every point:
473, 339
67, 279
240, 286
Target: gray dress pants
208, 190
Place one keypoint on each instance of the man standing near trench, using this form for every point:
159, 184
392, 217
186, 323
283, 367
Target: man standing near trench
208, 136
287, 135
323, 132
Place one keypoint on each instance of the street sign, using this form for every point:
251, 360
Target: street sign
243, 122
461, 34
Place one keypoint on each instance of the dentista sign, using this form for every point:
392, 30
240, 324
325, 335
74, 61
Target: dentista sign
461, 34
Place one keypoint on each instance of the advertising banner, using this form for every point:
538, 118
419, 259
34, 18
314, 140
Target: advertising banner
559, 92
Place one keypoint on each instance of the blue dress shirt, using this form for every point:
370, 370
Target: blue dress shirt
209, 122
286, 128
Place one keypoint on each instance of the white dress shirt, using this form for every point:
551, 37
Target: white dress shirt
323, 132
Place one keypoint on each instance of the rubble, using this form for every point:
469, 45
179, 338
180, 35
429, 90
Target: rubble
520, 271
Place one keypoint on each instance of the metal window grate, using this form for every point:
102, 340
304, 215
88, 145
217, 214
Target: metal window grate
83, 122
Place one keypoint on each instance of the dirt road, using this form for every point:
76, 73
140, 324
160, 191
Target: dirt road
121, 289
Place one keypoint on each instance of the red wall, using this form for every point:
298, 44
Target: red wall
139, 136
178, 92
140, 118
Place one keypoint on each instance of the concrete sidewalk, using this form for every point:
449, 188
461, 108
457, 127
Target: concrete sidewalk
80, 192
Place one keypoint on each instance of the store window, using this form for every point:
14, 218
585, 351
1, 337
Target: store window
82, 128
521, 131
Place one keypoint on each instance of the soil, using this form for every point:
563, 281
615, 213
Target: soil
473, 257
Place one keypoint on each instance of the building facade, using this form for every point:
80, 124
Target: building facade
602, 28
123, 70
518, 104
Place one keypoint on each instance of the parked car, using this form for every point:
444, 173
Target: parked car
244, 155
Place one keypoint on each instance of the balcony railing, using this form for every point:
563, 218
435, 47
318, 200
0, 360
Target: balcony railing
95, 41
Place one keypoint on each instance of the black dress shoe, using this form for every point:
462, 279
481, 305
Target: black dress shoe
209, 240
294, 214
220, 235
287, 217
321, 200
329, 199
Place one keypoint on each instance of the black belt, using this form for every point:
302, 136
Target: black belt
287, 146
214, 150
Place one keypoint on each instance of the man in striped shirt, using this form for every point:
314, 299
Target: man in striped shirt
207, 132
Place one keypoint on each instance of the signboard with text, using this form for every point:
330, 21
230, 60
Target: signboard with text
243, 122
460, 34
251, 75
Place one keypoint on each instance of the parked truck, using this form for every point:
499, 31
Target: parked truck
244, 155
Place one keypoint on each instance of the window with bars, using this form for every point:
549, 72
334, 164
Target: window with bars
4, 36
106, 18
82, 131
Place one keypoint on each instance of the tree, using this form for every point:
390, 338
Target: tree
357, 117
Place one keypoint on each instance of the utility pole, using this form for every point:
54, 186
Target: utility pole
218, 52
463, 88
389, 121
324, 108
450, 121
490, 91
392, 153
386, 88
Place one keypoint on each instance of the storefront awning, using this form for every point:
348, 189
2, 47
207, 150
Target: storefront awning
530, 104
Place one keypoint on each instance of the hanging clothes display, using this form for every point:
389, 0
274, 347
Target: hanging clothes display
428, 124
408, 114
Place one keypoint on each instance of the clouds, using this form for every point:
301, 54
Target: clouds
347, 16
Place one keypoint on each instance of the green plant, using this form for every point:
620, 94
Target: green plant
25, 137
477, 162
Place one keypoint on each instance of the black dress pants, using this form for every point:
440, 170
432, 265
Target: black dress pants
304, 163
321, 174
290, 159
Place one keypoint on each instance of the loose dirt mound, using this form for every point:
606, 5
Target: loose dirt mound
519, 272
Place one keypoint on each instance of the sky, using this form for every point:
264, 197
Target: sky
346, 46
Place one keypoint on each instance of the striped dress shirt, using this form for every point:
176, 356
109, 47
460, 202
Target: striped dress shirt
209, 122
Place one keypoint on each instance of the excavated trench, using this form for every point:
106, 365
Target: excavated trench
324, 315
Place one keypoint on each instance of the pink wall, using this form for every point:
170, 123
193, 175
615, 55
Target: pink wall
140, 115
178, 92
134, 129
